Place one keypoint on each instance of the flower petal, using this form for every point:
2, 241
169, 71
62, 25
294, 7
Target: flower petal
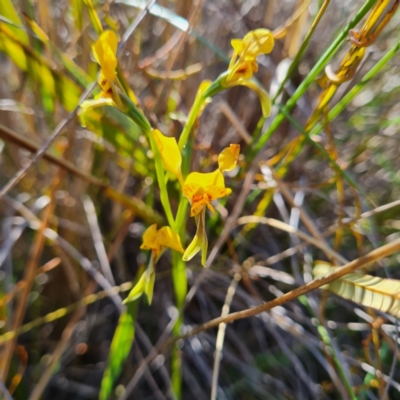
216, 192
205, 180
257, 42
87, 107
105, 53
150, 238
169, 152
228, 157
166, 237
237, 45
191, 189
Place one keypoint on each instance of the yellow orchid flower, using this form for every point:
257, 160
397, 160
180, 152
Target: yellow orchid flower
156, 240
243, 63
203, 188
254, 44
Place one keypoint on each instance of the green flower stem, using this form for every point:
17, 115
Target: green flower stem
190, 122
138, 117
134, 113
180, 221
185, 145
312, 75
213, 89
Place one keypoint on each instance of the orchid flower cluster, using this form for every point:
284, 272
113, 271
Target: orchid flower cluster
199, 189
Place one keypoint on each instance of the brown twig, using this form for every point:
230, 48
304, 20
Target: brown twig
373, 256
290, 229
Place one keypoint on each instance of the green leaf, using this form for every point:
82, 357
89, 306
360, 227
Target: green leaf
119, 351
12, 47
76, 11
367, 290
94, 18
8, 11
52, 82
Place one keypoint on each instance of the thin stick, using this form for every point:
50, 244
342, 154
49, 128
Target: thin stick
4, 391
15, 138
132, 27
59, 350
358, 263
235, 121
98, 239
290, 229
57, 132
84, 262
221, 335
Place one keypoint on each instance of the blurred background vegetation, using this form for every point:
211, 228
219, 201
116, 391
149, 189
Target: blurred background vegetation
323, 170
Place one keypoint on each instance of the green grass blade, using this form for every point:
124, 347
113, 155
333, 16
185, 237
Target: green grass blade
312, 75
333, 163
180, 288
120, 347
342, 104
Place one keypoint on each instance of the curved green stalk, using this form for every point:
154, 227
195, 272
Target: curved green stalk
213, 89
312, 75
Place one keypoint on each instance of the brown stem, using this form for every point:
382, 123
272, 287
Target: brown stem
371, 257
